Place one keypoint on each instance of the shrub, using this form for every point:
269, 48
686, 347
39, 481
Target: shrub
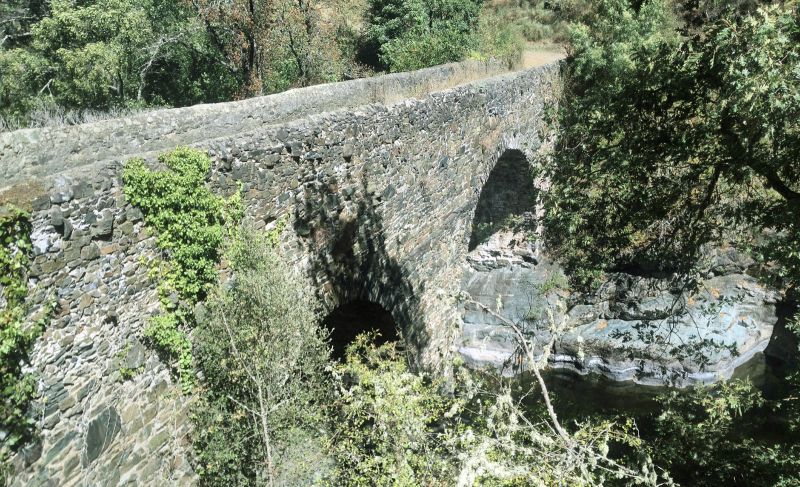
413, 34
262, 355
18, 330
387, 421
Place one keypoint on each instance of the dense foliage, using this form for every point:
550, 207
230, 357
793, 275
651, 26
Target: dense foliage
385, 420
62, 58
272, 409
679, 129
413, 34
542, 20
188, 220
107, 54
668, 141
262, 355
272, 45
709, 436
69, 62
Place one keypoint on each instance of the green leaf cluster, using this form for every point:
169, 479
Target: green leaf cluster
17, 333
188, 220
710, 435
387, 417
109, 54
272, 410
671, 138
262, 353
392, 427
673, 134
414, 34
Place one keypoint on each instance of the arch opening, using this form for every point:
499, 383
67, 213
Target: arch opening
507, 199
353, 318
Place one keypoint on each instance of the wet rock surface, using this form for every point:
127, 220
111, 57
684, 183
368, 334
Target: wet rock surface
654, 331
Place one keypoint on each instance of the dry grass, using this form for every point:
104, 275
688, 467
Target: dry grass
50, 115
21, 195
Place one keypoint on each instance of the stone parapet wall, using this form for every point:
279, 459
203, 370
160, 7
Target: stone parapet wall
46, 151
99, 426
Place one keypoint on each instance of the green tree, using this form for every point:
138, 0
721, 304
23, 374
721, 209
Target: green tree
413, 34
262, 355
709, 435
190, 222
16, 17
104, 54
671, 137
386, 419
273, 45
666, 143
396, 428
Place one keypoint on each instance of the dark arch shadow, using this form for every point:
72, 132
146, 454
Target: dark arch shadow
351, 319
507, 199
344, 236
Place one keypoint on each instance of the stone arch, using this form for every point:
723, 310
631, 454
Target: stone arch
507, 196
342, 231
346, 321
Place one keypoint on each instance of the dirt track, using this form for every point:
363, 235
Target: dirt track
533, 56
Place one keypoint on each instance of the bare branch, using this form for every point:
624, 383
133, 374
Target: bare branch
47, 86
13, 36
535, 366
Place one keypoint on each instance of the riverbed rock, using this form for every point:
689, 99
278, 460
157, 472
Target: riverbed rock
672, 330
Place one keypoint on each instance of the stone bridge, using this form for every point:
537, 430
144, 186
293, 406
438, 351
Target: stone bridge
379, 177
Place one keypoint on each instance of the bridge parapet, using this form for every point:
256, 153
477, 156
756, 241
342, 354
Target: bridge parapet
46, 151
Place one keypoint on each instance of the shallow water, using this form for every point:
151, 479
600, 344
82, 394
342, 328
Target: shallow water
592, 394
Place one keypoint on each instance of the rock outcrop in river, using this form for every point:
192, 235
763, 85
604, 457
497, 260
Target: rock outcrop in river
668, 330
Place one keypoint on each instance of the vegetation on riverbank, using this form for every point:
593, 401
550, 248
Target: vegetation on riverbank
678, 129
273, 409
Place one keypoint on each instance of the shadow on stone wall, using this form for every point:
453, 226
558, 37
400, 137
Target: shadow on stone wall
507, 196
345, 240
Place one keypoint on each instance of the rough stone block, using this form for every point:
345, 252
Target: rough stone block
82, 190
56, 216
104, 226
62, 191
90, 252
100, 434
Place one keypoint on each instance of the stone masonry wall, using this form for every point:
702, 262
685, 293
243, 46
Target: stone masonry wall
379, 196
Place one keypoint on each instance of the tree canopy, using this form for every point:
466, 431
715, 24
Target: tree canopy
671, 139
413, 34
67, 59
